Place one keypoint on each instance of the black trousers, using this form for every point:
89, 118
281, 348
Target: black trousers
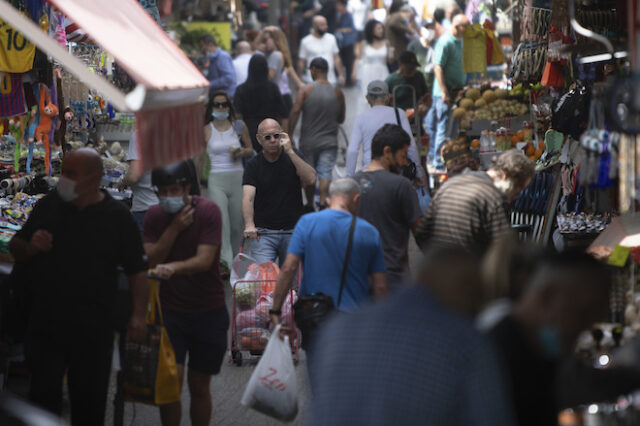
86, 358
348, 57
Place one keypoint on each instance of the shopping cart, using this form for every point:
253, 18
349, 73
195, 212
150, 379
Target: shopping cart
250, 320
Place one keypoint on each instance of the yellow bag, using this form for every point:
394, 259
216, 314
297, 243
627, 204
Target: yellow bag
474, 51
150, 369
497, 55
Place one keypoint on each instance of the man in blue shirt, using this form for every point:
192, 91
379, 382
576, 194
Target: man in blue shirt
221, 74
346, 37
447, 67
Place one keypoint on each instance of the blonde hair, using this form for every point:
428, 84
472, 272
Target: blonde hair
280, 40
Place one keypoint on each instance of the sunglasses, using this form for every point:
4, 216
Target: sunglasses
221, 104
268, 137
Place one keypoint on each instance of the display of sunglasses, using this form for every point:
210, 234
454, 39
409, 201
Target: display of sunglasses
221, 104
268, 137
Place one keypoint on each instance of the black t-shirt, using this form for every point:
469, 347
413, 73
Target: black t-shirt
278, 200
74, 284
532, 377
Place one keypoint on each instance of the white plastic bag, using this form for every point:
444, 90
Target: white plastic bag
272, 387
240, 270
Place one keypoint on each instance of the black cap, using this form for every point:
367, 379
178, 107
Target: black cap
320, 64
176, 173
409, 59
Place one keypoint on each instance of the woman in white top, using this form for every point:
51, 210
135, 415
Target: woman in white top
372, 56
228, 142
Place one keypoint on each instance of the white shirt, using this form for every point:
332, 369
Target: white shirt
143, 194
241, 64
366, 126
313, 47
358, 9
219, 149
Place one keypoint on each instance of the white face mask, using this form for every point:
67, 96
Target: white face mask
427, 33
66, 189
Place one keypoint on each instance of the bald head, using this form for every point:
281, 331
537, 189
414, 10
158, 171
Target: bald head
458, 24
87, 160
319, 25
269, 125
243, 47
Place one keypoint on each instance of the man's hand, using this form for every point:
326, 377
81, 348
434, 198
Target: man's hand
165, 271
446, 98
183, 219
284, 330
285, 143
251, 233
341, 80
41, 241
137, 328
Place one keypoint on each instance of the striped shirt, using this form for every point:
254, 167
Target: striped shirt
467, 212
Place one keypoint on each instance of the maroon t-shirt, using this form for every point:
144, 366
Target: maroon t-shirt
199, 292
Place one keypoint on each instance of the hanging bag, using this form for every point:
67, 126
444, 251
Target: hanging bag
272, 388
311, 310
150, 369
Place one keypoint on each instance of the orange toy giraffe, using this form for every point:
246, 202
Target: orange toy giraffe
47, 112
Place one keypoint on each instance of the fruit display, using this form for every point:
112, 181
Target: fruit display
534, 151
489, 104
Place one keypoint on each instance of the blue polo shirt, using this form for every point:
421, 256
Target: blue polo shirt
448, 54
222, 73
320, 240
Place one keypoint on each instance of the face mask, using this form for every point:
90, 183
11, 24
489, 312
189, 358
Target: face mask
172, 205
427, 33
218, 115
549, 339
66, 189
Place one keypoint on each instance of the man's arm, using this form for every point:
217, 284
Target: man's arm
248, 196
439, 72
285, 278
352, 150
201, 262
227, 73
338, 64
379, 285
303, 169
21, 249
296, 109
341, 114
302, 63
157, 252
136, 329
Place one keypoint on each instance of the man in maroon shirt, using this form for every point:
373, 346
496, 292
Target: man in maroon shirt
182, 240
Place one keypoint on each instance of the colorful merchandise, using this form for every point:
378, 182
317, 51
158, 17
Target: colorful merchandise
11, 95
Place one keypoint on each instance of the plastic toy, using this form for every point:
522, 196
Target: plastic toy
47, 112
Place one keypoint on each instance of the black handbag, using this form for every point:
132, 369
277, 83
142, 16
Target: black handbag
409, 171
311, 310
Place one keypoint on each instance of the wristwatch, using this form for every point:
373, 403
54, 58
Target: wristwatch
275, 312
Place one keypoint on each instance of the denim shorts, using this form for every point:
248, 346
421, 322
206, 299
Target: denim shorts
203, 335
323, 161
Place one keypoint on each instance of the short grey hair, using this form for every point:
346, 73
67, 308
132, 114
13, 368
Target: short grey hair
344, 186
374, 98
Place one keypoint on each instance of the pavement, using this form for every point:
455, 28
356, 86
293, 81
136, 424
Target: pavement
227, 387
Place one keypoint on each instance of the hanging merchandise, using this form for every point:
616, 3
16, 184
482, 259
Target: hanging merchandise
47, 112
474, 50
11, 95
16, 52
528, 62
495, 54
557, 59
571, 111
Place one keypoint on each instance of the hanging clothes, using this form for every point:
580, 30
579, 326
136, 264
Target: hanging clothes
16, 52
474, 59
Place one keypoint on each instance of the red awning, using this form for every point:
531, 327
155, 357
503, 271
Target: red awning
169, 98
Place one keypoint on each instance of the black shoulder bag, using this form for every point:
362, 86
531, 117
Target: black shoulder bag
311, 310
410, 170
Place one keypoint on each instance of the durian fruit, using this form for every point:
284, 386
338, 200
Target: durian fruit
488, 96
466, 103
480, 103
459, 113
473, 93
500, 93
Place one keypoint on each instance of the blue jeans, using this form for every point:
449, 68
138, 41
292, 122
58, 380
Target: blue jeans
271, 245
437, 123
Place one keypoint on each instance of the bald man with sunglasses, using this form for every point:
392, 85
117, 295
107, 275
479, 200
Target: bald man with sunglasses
272, 193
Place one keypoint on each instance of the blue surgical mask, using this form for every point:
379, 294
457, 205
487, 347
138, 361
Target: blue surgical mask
550, 342
218, 115
172, 205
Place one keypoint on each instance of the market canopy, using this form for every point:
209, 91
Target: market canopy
168, 100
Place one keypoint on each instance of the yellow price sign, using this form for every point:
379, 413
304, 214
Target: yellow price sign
619, 256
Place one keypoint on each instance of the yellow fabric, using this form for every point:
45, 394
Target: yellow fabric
497, 55
167, 384
474, 52
16, 52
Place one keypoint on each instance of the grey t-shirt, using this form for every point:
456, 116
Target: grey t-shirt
143, 194
390, 203
276, 62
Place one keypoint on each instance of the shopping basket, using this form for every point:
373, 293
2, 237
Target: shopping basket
253, 285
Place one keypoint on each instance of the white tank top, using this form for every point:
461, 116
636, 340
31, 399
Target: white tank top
219, 150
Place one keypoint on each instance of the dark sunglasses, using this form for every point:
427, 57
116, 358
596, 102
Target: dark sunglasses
221, 104
268, 137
